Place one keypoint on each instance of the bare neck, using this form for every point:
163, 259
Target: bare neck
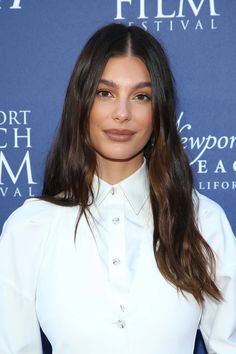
113, 172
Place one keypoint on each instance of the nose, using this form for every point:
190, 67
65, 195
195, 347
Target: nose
122, 110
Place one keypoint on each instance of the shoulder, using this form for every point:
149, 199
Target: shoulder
33, 208
35, 221
30, 225
214, 227
24, 241
33, 212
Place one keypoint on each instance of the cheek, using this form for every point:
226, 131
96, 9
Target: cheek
93, 116
99, 111
95, 119
146, 121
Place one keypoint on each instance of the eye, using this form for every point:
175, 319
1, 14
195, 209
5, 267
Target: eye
103, 93
142, 97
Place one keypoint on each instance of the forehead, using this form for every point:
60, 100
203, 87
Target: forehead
126, 67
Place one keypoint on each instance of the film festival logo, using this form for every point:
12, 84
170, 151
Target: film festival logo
15, 5
181, 15
198, 148
16, 177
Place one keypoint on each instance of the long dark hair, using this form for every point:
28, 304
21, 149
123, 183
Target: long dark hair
182, 255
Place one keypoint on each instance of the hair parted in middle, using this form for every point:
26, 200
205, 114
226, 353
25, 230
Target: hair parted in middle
182, 255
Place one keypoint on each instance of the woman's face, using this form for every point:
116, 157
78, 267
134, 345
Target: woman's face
121, 115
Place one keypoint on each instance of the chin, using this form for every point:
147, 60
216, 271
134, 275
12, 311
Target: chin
121, 157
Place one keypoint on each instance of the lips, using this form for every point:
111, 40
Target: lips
119, 134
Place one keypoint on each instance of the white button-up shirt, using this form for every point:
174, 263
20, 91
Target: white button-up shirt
104, 294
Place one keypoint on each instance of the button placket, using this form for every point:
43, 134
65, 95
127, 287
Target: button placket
115, 229
117, 252
116, 226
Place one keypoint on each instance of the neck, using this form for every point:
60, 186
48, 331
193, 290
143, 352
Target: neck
115, 171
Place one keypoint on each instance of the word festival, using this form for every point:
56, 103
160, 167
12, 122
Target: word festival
16, 177
184, 14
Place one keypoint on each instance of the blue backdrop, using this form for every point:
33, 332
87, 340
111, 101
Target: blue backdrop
39, 43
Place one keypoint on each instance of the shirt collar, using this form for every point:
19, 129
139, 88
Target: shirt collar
135, 188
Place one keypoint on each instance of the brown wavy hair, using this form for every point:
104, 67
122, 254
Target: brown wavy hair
182, 255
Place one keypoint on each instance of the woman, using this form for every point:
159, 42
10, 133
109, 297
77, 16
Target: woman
119, 255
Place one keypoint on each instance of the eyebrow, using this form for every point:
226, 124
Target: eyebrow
139, 85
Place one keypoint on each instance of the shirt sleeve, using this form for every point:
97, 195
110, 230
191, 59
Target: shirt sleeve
218, 322
19, 328
21, 247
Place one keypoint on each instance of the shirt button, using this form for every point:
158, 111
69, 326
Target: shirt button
116, 261
121, 323
113, 190
115, 220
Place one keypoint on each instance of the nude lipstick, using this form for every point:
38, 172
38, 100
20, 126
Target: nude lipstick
119, 135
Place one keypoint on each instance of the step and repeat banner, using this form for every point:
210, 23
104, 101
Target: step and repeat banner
39, 44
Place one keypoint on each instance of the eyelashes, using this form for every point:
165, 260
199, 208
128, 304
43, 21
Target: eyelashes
142, 97
104, 93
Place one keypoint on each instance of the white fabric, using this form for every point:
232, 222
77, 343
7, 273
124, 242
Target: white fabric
104, 294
